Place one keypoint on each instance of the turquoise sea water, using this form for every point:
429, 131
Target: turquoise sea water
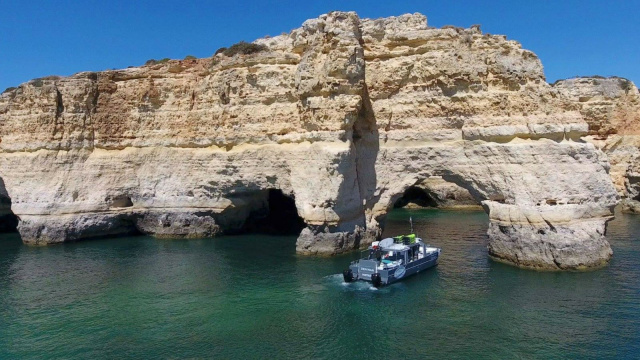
251, 297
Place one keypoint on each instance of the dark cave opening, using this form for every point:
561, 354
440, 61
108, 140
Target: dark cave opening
417, 196
8, 220
278, 217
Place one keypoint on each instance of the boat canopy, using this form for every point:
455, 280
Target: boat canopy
385, 242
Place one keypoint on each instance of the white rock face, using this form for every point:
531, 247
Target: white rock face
611, 107
342, 114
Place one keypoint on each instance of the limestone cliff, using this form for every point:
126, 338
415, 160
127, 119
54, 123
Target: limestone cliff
343, 115
611, 107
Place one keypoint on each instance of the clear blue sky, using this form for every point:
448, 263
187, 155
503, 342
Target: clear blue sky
39, 38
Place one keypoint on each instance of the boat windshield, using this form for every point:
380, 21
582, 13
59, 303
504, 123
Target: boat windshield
393, 255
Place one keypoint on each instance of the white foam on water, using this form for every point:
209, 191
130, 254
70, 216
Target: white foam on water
337, 279
351, 286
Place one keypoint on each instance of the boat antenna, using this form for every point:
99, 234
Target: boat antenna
411, 222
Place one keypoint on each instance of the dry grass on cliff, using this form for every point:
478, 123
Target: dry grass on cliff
243, 48
154, 61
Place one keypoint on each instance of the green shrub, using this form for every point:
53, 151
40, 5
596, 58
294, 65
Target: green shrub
589, 77
37, 82
244, 48
221, 50
190, 57
155, 62
8, 89
626, 85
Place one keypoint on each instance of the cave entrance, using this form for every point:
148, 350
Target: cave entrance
436, 192
415, 197
8, 220
444, 212
278, 216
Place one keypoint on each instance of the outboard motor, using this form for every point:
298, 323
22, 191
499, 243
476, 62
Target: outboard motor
376, 280
347, 275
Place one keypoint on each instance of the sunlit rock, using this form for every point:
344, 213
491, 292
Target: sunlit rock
611, 107
342, 115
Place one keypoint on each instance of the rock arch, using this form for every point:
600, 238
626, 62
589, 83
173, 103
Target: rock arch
402, 184
537, 220
435, 192
415, 196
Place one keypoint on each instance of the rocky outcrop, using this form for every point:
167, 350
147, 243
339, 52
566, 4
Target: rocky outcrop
611, 107
343, 115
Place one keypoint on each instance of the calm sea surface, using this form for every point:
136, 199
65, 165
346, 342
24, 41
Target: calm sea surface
251, 297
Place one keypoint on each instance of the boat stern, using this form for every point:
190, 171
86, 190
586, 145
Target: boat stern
366, 269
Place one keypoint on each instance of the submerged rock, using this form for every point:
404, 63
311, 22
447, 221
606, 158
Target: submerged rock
342, 115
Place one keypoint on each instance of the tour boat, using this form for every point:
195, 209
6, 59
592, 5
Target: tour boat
392, 259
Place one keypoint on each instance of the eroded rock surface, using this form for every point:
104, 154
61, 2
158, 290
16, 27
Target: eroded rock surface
611, 107
343, 115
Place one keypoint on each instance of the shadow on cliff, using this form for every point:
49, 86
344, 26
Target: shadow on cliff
365, 148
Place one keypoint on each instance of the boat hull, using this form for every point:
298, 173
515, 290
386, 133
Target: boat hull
366, 270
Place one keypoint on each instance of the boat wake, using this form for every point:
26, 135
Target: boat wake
338, 280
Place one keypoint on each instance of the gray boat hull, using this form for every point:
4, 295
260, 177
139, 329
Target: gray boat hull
367, 270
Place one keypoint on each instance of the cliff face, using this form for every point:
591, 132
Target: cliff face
342, 114
611, 107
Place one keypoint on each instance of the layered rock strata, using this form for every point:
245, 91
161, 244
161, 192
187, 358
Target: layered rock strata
343, 115
611, 107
